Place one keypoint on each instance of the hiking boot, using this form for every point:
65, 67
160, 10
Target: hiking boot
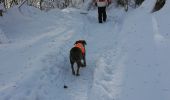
100, 21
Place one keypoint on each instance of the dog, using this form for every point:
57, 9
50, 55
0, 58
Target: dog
77, 55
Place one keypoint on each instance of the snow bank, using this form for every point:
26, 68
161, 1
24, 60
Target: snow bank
147, 49
162, 39
29, 11
161, 17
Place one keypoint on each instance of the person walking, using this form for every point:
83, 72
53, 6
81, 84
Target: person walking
102, 4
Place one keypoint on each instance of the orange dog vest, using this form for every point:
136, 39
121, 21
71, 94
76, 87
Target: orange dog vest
79, 45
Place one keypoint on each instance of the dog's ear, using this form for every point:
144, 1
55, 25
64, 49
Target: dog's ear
76, 42
84, 42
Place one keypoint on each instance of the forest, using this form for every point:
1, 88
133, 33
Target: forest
61, 4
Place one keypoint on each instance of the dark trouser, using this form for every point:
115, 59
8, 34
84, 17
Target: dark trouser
102, 14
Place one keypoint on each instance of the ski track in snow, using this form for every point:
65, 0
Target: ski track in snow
98, 77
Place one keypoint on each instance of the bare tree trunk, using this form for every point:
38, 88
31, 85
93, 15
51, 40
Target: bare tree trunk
5, 4
41, 4
66, 3
1, 12
22, 3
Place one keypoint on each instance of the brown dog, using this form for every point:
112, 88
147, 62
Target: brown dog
77, 55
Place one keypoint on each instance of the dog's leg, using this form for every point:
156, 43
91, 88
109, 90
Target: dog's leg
78, 67
84, 58
72, 67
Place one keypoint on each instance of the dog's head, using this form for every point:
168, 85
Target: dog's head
81, 41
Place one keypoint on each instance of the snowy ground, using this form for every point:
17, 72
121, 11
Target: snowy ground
127, 57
